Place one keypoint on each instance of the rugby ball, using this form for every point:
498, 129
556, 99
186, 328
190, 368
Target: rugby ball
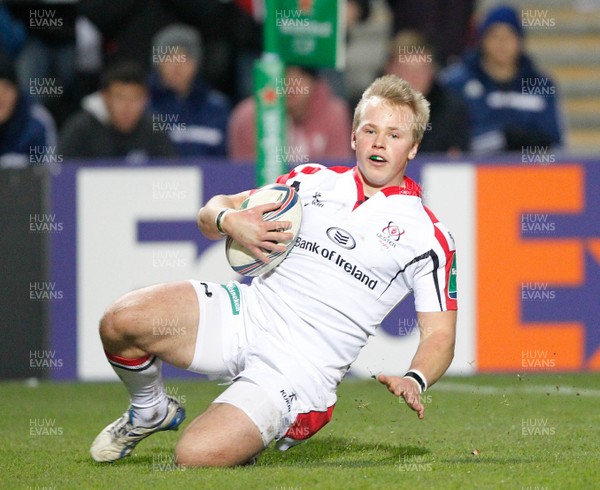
239, 258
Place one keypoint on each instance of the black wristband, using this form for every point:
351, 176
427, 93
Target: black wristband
218, 220
418, 377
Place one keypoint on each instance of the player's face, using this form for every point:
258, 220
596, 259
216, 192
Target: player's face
383, 142
126, 103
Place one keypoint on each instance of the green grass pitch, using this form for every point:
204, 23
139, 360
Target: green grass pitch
486, 431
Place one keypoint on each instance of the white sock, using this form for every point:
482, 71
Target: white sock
143, 379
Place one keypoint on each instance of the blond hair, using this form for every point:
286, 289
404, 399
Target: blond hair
397, 93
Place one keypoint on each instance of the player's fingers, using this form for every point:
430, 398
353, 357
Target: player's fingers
278, 225
259, 254
279, 236
420, 409
413, 400
273, 246
269, 206
385, 380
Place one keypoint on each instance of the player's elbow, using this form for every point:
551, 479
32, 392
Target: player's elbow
451, 345
201, 220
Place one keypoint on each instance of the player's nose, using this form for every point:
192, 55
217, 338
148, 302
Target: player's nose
379, 141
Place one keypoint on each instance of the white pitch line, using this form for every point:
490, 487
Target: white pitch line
514, 390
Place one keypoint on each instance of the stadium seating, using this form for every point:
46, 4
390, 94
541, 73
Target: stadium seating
568, 50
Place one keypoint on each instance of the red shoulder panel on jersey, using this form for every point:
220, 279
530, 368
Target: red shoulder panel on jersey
340, 169
304, 169
451, 303
360, 190
432, 216
411, 188
308, 169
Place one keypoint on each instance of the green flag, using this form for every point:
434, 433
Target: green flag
310, 32
270, 118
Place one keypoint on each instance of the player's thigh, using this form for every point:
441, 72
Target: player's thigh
222, 436
160, 320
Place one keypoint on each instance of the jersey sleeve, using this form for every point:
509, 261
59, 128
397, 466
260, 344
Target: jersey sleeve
299, 172
435, 279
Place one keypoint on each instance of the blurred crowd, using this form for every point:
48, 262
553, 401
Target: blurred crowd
137, 79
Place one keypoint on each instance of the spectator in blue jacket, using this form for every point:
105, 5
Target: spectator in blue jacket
27, 130
413, 58
192, 113
512, 105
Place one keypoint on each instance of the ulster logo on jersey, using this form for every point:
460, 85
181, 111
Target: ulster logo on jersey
341, 237
389, 236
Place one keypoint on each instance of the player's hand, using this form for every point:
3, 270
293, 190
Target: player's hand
249, 229
407, 389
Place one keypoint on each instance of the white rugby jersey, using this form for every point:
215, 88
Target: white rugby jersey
354, 260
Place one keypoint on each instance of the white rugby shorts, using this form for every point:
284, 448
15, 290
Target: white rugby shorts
272, 383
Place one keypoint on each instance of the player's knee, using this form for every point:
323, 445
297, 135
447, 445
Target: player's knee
108, 328
116, 323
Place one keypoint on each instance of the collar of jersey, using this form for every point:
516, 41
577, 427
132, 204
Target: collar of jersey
410, 188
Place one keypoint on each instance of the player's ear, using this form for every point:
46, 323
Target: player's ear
353, 141
413, 151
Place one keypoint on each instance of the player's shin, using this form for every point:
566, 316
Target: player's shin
143, 379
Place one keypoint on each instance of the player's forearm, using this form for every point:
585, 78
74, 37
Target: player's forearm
434, 355
436, 347
207, 216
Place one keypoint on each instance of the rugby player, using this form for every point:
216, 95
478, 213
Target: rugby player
287, 339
